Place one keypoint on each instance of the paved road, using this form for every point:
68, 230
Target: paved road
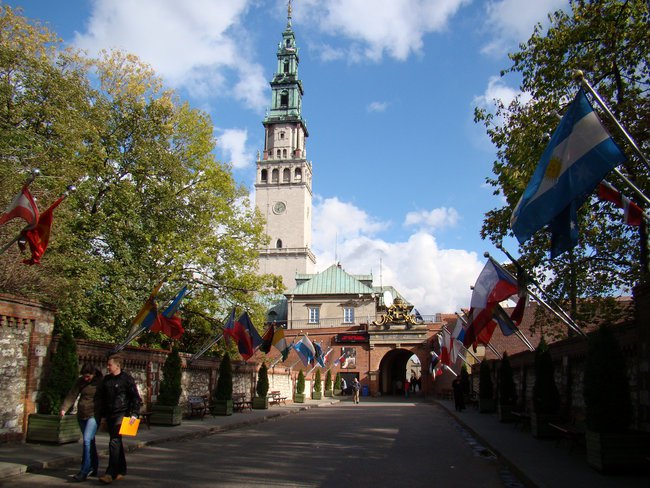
373, 444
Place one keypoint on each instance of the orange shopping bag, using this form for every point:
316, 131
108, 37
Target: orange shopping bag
127, 428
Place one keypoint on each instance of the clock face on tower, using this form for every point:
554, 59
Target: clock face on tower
279, 207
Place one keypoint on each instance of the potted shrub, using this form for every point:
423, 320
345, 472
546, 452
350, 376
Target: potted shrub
328, 383
337, 384
47, 425
222, 399
261, 401
166, 410
299, 396
507, 391
465, 383
317, 394
546, 397
486, 403
611, 445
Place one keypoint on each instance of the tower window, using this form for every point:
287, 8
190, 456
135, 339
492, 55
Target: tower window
281, 135
264, 175
284, 153
298, 174
278, 244
279, 154
284, 99
286, 174
288, 42
275, 176
286, 66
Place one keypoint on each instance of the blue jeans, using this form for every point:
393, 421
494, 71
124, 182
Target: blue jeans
89, 459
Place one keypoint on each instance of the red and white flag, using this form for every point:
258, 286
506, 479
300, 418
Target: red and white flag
23, 207
38, 237
633, 213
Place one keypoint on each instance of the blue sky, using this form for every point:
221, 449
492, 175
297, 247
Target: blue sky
390, 89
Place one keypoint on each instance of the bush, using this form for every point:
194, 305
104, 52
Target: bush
337, 381
63, 374
485, 386
223, 391
606, 389
300, 384
262, 387
318, 386
464, 379
546, 397
507, 389
328, 380
170, 387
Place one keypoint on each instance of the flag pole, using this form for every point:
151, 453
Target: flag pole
579, 76
491, 348
32, 176
207, 346
463, 345
559, 313
450, 370
280, 358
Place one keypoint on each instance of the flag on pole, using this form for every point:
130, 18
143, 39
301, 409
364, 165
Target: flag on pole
318, 355
340, 358
167, 322
147, 314
246, 336
267, 340
633, 214
305, 350
23, 207
578, 156
457, 336
280, 343
229, 327
445, 347
38, 237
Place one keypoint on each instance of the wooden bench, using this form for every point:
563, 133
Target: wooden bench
572, 432
276, 398
145, 418
239, 403
197, 406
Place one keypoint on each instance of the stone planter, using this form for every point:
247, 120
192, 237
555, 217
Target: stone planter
52, 428
166, 415
299, 398
504, 413
221, 407
539, 425
338, 392
616, 451
328, 393
317, 395
487, 405
260, 403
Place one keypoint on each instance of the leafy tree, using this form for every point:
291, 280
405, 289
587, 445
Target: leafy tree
318, 385
170, 387
262, 387
546, 397
300, 383
608, 41
328, 380
223, 391
485, 385
337, 381
464, 379
62, 376
507, 389
151, 201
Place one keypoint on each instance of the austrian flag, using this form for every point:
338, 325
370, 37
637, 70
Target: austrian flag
633, 213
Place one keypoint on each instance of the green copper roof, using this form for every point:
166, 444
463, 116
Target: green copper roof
332, 281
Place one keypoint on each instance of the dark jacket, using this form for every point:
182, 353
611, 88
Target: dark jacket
119, 396
89, 403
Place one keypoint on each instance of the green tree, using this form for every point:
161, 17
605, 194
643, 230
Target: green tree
300, 382
608, 41
223, 391
485, 385
546, 397
170, 387
318, 384
62, 376
151, 201
328, 380
262, 387
507, 388
337, 381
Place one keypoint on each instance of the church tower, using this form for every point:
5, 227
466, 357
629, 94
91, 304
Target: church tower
283, 192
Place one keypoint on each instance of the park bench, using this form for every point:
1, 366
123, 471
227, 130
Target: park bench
573, 432
145, 418
197, 406
239, 403
276, 398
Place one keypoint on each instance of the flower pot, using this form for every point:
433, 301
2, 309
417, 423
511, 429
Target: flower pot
260, 403
337, 392
616, 451
317, 395
328, 393
539, 425
487, 405
221, 407
52, 428
166, 415
299, 398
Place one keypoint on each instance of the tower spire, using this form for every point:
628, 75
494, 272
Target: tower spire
289, 13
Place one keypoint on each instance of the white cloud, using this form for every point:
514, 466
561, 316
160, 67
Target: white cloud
377, 106
232, 145
512, 21
382, 27
433, 219
497, 91
433, 279
195, 44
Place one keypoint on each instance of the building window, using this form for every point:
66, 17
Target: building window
279, 154
284, 99
348, 315
275, 176
298, 174
281, 135
286, 66
284, 155
278, 244
314, 315
264, 175
286, 174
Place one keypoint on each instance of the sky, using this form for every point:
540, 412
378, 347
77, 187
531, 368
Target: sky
399, 166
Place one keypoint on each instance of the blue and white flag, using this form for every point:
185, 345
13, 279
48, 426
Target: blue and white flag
318, 354
305, 350
577, 158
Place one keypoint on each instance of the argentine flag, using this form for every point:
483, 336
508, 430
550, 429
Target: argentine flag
578, 157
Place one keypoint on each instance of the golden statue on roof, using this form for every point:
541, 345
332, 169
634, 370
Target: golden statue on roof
398, 313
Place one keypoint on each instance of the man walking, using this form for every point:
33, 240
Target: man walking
356, 386
119, 399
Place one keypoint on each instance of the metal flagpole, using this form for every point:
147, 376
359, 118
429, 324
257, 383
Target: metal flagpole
488, 345
559, 313
280, 358
579, 76
207, 346
450, 370
466, 349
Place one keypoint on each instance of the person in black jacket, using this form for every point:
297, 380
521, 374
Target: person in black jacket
119, 398
88, 415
